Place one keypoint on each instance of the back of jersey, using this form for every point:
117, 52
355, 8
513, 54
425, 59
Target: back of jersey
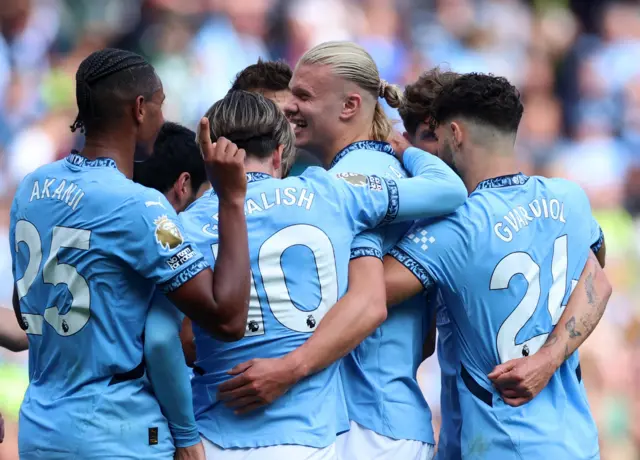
379, 375
300, 231
86, 263
506, 264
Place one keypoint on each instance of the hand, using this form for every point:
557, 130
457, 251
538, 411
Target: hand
399, 144
195, 452
1, 428
224, 163
520, 380
257, 383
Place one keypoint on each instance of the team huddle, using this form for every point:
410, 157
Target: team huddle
191, 295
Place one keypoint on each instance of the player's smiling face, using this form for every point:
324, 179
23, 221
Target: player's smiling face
314, 106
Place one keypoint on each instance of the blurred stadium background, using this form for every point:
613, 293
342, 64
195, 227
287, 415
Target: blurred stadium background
577, 64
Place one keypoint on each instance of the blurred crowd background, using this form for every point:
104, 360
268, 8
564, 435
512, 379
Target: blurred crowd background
577, 64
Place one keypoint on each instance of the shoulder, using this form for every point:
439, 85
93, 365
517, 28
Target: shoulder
563, 188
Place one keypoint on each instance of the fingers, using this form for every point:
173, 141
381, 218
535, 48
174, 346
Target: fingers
243, 402
204, 136
501, 369
249, 408
240, 368
237, 393
233, 383
516, 402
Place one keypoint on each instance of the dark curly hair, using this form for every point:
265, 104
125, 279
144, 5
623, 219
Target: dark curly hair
419, 97
264, 76
483, 98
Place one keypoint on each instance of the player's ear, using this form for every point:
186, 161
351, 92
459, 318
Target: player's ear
139, 109
457, 133
182, 186
350, 106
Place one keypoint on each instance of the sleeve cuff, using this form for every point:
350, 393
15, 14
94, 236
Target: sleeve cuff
414, 267
184, 276
365, 252
394, 202
184, 436
595, 247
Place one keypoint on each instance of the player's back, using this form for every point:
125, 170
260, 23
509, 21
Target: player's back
85, 306
379, 376
506, 263
300, 232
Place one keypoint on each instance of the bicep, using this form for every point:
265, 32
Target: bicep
400, 282
194, 294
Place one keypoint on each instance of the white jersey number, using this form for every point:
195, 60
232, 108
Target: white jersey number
521, 263
275, 286
55, 273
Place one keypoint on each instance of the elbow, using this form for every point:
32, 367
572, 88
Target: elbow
231, 331
18, 345
377, 307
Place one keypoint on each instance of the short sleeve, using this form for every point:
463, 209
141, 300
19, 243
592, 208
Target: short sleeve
12, 234
155, 245
369, 201
430, 250
597, 236
367, 244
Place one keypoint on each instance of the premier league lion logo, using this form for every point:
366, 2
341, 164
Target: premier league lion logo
359, 180
167, 233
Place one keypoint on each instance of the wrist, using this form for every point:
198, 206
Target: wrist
297, 364
232, 202
553, 356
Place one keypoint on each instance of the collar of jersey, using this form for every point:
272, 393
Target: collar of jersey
503, 181
363, 145
257, 176
76, 159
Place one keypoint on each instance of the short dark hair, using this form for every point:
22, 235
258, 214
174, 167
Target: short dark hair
174, 152
104, 81
264, 76
419, 97
483, 98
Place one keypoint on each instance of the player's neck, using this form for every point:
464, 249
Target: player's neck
332, 149
109, 147
483, 166
252, 165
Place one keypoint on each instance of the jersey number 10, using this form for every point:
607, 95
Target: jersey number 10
273, 278
521, 263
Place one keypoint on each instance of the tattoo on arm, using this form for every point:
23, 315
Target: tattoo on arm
591, 294
570, 326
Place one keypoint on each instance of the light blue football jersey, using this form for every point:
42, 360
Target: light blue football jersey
300, 232
89, 248
379, 376
506, 263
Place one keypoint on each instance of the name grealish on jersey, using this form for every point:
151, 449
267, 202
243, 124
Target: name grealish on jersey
67, 192
289, 196
519, 217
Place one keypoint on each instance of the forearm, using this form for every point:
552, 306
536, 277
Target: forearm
352, 319
581, 315
434, 190
231, 279
169, 374
12, 337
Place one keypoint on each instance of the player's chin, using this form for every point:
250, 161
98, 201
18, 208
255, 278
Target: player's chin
142, 152
302, 136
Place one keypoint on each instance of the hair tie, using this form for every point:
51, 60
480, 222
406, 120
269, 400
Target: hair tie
382, 88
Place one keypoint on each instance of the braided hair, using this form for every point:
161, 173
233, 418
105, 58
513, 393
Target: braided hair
105, 81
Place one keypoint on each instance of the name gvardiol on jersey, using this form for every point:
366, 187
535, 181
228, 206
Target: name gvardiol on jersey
519, 217
67, 192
